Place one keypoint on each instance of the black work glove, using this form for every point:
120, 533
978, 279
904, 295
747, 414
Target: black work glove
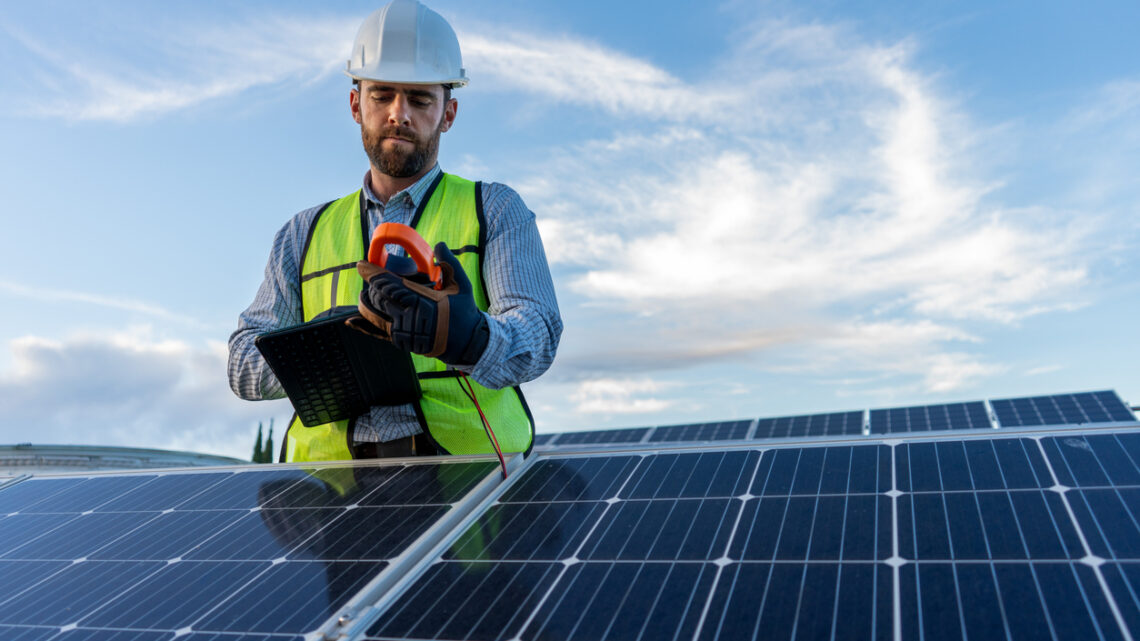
444, 324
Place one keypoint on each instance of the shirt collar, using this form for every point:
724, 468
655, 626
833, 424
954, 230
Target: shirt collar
415, 192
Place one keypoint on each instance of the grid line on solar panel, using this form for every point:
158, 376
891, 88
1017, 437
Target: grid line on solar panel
1084, 538
1062, 409
833, 424
21, 633
1095, 460
601, 437
1034, 601
146, 554
601, 494
926, 418
809, 532
699, 432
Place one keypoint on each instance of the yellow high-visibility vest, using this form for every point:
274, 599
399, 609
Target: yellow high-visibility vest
452, 212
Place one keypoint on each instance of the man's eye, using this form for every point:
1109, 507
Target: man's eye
421, 102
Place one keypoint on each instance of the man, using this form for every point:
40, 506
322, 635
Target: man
499, 317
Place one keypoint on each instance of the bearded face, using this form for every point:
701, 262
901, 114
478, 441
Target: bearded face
396, 159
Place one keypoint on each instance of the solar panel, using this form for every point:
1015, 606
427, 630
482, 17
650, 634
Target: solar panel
833, 424
983, 536
601, 437
911, 533
1057, 410
1062, 409
924, 418
261, 553
700, 432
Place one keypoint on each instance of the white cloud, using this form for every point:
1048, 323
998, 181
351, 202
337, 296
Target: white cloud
1118, 102
921, 350
812, 202
129, 389
836, 186
179, 64
589, 74
85, 298
619, 396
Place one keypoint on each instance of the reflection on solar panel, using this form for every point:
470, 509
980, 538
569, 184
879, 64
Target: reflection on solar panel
982, 533
1062, 409
270, 551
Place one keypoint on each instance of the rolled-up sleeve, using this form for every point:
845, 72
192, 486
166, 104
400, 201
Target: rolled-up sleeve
525, 324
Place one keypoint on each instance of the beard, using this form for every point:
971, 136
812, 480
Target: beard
395, 161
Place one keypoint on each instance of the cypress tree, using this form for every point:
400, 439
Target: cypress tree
267, 453
257, 452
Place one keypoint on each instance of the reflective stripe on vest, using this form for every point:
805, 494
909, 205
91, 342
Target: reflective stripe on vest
451, 213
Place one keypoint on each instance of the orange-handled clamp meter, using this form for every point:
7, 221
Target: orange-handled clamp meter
412, 242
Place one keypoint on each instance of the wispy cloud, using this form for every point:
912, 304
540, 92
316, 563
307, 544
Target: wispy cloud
177, 65
575, 71
1116, 103
812, 202
619, 396
834, 190
86, 298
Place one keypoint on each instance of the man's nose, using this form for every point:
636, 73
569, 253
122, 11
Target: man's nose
398, 111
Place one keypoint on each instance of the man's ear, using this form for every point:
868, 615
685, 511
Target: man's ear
449, 112
354, 104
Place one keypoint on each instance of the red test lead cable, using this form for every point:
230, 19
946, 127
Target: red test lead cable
470, 392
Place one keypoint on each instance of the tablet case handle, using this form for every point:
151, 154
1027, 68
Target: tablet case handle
412, 242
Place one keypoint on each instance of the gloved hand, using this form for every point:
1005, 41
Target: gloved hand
444, 324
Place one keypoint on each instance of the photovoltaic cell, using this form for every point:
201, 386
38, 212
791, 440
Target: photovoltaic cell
601, 437
925, 418
231, 556
983, 534
1062, 409
979, 537
12, 633
699, 432
626, 521
834, 424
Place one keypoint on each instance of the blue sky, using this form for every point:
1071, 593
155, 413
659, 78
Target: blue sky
751, 208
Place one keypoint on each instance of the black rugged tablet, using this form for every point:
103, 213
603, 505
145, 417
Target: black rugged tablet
332, 372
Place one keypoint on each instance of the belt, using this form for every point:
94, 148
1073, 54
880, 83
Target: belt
417, 445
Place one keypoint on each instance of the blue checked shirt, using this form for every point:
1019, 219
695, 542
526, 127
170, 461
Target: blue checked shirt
523, 316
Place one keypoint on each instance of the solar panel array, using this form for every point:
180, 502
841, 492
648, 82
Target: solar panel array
701, 531
984, 538
258, 552
1061, 409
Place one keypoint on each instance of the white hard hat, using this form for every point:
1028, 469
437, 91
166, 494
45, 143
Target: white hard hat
408, 43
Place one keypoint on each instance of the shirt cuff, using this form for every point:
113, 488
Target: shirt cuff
493, 357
